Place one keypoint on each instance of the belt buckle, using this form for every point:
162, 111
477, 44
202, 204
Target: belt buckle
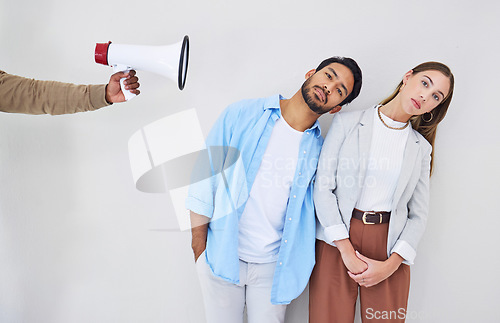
370, 213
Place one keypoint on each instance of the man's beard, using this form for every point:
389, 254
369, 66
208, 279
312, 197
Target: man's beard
308, 98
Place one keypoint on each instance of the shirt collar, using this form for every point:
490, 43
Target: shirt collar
317, 128
273, 102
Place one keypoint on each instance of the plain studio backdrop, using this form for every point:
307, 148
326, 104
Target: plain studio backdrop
78, 241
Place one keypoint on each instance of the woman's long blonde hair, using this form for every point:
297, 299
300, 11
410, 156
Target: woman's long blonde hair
428, 129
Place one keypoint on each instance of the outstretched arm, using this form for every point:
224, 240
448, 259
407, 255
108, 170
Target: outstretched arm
23, 95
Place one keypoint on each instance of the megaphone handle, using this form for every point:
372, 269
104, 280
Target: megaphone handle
124, 68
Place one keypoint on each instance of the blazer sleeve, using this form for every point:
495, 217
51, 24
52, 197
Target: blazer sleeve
418, 209
325, 200
23, 95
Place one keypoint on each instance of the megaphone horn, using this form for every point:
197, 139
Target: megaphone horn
171, 61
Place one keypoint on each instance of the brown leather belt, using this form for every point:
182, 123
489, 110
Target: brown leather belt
371, 217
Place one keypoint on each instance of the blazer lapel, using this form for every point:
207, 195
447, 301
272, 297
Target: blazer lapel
409, 157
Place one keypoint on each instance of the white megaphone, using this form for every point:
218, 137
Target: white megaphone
170, 61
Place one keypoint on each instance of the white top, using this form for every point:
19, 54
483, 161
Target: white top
261, 224
384, 164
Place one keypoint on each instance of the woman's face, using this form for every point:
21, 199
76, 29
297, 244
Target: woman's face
423, 91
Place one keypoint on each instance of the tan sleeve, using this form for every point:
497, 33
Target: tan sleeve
23, 95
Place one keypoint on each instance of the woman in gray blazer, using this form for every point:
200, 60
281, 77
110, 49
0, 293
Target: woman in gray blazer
371, 196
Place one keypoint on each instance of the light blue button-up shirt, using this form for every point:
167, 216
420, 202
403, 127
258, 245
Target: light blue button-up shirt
245, 128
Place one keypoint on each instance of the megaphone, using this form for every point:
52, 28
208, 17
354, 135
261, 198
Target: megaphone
171, 61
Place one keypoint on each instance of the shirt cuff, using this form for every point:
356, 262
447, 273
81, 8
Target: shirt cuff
406, 251
336, 232
199, 207
98, 96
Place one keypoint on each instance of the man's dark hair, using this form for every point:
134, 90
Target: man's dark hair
355, 70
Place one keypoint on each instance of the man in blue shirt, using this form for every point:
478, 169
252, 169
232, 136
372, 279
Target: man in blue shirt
252, 218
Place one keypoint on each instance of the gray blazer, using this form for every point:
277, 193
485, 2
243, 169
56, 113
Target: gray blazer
341, 173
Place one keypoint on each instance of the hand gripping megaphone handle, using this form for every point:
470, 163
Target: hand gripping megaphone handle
124, 68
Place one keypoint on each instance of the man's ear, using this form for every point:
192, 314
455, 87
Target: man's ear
335, 110
310, 73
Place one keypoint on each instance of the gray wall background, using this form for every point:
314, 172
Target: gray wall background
78, 243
